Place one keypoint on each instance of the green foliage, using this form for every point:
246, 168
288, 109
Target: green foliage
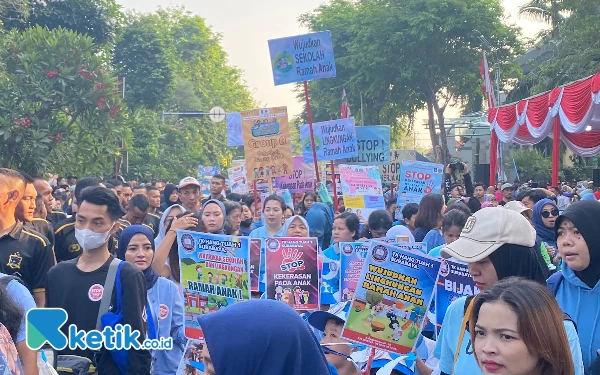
100, 19
57, 91
405, 55
373, 298
532, 165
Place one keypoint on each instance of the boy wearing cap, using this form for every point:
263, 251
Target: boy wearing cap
189, 194
496, 243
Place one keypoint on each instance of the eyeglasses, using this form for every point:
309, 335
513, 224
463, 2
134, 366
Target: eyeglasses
547, 214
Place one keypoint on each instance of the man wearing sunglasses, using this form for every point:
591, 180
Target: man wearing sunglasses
545, 213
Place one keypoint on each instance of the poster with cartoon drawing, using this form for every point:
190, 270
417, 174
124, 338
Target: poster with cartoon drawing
292, 272
392, 297
453, 283
352, 259
361, 188
255, 255
192, 362
215, 272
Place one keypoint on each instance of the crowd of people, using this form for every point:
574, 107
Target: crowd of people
534, 253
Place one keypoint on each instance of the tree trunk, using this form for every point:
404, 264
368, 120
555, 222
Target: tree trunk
439, 111
434, 140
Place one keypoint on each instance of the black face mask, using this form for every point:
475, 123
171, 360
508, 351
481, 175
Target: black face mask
246, 223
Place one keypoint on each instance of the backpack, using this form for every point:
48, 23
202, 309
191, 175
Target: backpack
113, 318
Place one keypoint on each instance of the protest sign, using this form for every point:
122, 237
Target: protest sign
292, 272
215, 272
301, 179
237, 179
335, 139
393, 294
267, 143
390, 173
205, 174
233, 123
255, 262
192, 363
352, 256
302, 58
373, 146
418, 179
453, 283
361, 187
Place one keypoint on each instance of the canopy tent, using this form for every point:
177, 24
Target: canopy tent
570, 113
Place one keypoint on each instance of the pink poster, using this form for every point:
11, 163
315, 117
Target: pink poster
255, 245
302, 178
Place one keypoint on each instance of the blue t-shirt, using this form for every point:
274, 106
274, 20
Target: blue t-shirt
24, 300
330, 276
263, 233
466, 364
434, 238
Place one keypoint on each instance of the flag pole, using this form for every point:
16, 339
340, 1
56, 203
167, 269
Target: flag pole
312, 134
333, 181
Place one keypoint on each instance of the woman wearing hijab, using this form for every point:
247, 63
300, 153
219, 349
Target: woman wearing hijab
214, 216
577, 287
170, 197
496, 244
296, 226
165, 303
165, 220
545, 213
166, 253
320, 221
260, 337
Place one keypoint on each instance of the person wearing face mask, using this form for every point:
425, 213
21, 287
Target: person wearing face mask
77, 285
165, 302
496, 243
577, 287
213, 216
246, 223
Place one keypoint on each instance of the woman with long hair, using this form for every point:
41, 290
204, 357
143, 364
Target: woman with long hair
429, 216
509, 327
307, 201
378, 223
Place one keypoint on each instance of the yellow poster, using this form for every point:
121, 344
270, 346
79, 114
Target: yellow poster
267, 143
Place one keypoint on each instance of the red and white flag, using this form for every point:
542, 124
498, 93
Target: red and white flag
345, 107
488, 85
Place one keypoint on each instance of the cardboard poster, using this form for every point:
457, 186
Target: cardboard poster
352, 256
191, 363
454, 282
300, 180
292, 271
205, 174
335, 139
215, 273
418, 179
233, 123
361, 188
255, 258
390, 173
393, 295
267, 143
373, 146
302, 58
237, 179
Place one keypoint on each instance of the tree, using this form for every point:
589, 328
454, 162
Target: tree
100, 19
373, 298
405, 55
144, 56
550, 12
56, 92
531, 165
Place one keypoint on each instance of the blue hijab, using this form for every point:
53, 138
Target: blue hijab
126, 236
270, 339
320, 222
543, 232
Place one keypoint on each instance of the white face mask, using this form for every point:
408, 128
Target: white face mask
90, 240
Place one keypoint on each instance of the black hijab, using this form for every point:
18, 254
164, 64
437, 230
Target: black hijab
519, 261
169, 188
584, 216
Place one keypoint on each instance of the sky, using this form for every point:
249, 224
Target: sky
245, 35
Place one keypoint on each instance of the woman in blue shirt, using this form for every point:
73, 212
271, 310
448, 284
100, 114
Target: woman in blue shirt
165, 302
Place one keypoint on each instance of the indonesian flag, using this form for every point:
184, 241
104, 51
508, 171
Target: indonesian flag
488, 85
345, 108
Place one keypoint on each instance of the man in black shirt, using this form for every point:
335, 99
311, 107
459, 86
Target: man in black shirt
23, 253
126, 194
217, 185
153, 195
77, 285
137, 213
25, 212
45, 190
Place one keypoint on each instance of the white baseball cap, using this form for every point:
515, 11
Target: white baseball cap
488, 229
516, 206
187, 182
507, 185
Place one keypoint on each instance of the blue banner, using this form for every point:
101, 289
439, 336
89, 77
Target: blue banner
373, 146
453, 283
234, 129
335, 139
302, 58
418, 179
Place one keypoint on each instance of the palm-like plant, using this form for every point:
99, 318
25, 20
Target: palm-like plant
552, 12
